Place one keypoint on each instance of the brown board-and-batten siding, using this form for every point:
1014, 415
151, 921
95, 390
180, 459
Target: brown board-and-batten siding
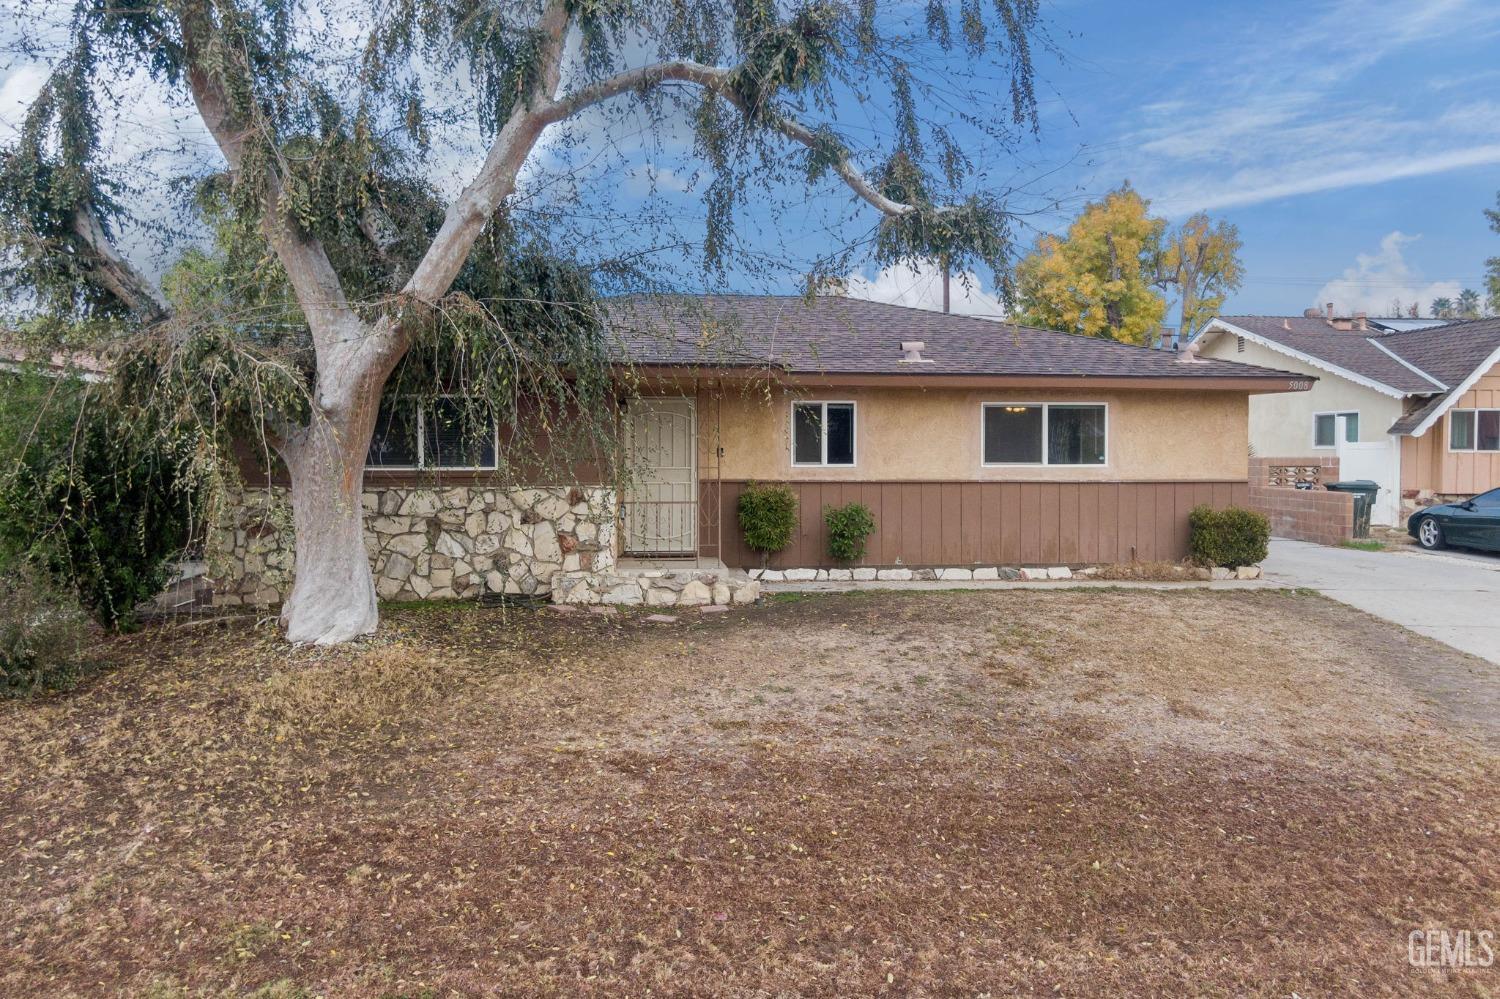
988, 523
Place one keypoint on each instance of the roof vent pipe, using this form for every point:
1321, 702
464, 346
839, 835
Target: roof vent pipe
1286, 324
911, 352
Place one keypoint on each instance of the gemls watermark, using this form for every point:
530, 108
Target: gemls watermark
1444, 948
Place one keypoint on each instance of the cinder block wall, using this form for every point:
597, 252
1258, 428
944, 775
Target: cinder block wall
1316, 514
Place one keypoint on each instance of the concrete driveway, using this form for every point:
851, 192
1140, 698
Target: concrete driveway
1451, 598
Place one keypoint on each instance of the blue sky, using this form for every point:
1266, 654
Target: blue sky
1320, 129
1354, 144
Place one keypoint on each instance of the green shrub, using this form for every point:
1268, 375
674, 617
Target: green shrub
768, 516
42, 633
89, 496
849, 528
1228, 538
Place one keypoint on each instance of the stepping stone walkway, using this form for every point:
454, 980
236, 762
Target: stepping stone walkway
661, 619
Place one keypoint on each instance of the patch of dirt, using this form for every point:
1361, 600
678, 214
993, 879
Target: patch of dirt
956, 793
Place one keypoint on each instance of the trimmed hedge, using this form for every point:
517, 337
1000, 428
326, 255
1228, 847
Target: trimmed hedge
1228, 538
768, 516
849, 528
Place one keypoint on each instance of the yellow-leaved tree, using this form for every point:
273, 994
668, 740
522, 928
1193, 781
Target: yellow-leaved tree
1098, 279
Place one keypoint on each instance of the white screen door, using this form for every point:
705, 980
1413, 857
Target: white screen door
661, 498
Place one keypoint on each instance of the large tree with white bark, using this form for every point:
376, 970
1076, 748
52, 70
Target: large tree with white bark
339, 250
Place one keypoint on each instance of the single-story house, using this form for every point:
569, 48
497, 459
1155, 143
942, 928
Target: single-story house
973, 442
1415, 410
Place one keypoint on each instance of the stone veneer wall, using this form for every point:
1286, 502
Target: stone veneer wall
426, 543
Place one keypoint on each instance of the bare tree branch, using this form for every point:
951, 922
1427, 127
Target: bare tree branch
115, 272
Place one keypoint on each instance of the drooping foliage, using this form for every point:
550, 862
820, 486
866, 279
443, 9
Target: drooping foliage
88, 495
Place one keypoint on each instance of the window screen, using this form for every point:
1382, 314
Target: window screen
1075, 435
453, 438
1351, 427
839, 423
807, 432
1489, 430
1013, 435
1461, 430
394, 444
1324, 427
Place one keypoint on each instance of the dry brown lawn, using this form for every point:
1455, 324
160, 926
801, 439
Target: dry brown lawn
952, 794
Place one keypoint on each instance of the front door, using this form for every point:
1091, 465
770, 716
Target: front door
661, 496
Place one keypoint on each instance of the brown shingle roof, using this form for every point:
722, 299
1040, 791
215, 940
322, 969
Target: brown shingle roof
1450, 353
1351, 350
836, 335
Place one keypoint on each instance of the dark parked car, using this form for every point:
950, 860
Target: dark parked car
1474, 523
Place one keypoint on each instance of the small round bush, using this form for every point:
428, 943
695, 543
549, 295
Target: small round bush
1229, 538
849, 529
768, 516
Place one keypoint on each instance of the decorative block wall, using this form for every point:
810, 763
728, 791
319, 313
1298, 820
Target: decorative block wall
423, 543
1315, 514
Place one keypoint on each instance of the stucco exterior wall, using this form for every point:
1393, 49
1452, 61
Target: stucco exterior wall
934, 435
1282, 423
1429, 469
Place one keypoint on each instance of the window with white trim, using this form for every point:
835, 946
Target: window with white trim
1015, 433
823, 433
1474, 430
1326, 429
438, 435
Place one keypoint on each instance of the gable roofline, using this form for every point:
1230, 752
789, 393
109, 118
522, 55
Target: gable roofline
1375, 342
1220, 326
1458, 392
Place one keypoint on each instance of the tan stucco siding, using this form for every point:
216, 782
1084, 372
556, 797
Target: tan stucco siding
1428, 466
934, 435
1281, 423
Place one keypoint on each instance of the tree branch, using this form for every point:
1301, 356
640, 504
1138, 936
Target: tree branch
337, 330
717, 79
115, 272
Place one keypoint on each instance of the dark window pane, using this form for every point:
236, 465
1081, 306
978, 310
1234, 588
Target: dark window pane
1489, 430
1489, 500
394, 444
1013, 435
1324, 430
807, 430
840, 434
456, 438
1461, 431
1075, 435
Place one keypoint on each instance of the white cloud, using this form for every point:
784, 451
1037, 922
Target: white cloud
1379, 279
654, 179
922, 288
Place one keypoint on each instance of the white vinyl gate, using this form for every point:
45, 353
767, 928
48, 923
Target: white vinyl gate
1377, 461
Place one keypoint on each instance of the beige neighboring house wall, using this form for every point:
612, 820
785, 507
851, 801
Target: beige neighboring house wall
1281, 424
933, 435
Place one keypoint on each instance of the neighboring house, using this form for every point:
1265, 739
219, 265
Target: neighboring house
973, 443
1415, 409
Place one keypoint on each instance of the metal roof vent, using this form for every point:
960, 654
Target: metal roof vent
911, 352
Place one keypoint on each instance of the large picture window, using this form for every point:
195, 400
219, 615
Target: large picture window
823, 433
438, 435
1045, 433
1474, 430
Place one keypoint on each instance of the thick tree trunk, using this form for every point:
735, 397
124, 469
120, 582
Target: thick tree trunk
333, 594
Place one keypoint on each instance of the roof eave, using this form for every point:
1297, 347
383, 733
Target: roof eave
1219, 325
1458, 393
1256, 384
